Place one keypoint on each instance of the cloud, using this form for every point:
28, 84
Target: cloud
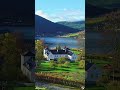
63, 15
68, 15
64, 9
42, 14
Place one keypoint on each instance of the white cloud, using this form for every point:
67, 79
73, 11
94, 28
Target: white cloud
63, 15
68, 15
65, 9
42, 14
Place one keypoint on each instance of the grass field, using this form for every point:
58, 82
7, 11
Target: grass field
45, 66
76, 51
71, 35
95, 88
66, 75
100, 62
24, 88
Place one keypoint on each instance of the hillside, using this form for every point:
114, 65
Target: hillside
48, 28
95, 11
110, 21
78, 35
105, 3
80, 25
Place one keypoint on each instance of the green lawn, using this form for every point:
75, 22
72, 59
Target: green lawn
76, 51
73, 67
95, 88
24, 88
100, 62
71, 35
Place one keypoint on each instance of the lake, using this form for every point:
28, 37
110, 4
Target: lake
97, 43
27, 32
52, 42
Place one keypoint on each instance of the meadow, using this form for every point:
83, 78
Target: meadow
24, 88
46, 67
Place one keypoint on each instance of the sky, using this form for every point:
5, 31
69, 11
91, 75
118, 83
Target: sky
61, 10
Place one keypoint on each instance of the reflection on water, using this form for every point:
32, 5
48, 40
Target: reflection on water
69, 42
95, 43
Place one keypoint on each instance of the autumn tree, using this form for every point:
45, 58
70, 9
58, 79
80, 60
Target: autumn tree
11, 56
52, 64
82, 64
67, 64
39, 50
58, 47
81, 56
113, 85
62, 60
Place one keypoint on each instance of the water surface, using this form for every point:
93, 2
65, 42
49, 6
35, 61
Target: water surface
69, 42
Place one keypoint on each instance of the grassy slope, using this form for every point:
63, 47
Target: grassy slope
78, 34
80, 25
102, 2
71, 35
73, 67
91, 21
105, 22
24, 88
66, 75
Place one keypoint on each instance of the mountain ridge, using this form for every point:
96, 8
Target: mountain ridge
49, 28
95, 11
80, 25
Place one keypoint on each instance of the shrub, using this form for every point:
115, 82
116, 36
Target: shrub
62, 60
67, 64
52, 64
82, 64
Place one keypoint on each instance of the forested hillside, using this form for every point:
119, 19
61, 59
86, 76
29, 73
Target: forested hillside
80, 25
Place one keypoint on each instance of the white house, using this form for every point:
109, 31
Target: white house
28, 65
54, 54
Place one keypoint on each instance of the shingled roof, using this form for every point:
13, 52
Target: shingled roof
59, 51
30, 64
88, 65
70, 53
29, 53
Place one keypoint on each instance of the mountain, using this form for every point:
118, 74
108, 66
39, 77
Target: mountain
48, 28
80, 25
105, 3
113, 6
94, 11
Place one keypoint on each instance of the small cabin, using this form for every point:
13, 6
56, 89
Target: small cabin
93, 72
28, 65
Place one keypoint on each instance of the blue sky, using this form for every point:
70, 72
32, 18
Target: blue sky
61, 10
